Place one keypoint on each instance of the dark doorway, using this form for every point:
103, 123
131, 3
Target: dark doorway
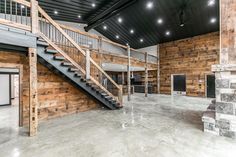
211, 86
180, 83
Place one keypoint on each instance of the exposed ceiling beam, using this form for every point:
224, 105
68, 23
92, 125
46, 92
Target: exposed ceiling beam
112, 11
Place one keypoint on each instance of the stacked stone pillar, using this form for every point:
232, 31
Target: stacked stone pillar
223, 122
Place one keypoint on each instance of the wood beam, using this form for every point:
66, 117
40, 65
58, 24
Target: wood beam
33, 94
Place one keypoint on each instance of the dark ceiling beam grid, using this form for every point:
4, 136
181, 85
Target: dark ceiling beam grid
112, 11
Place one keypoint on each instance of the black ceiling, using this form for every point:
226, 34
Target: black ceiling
196, 17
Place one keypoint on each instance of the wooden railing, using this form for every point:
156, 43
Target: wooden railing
51, 32
71, 43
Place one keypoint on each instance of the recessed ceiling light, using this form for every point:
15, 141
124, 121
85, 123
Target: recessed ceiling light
79, 16
167, 33
211, 2
120, 20
117, 36
141, 40
105, 27
132, 31
159, 21
213, 20
181, 25
93, 5
55, 12
149, 5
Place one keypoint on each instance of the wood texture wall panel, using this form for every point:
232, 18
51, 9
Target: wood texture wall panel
57, 97
192, 57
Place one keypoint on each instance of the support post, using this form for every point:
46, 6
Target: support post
123, 78
87, 64
100, 56
146, 74
158, 69
120, 95
128, 74
33, 94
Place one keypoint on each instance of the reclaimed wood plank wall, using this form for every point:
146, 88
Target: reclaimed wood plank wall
57, 97
192, 57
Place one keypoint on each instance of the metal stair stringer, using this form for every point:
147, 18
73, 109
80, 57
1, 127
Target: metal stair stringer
49, 60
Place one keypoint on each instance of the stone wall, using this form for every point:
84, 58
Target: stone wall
192, 57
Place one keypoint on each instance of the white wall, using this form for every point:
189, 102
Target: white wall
152, 50
4, 89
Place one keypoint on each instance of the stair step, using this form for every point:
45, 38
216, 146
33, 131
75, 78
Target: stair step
42, 43
73, 69
66, 64
83, 80
59, 58
104, 94
51, 51
78, 75
108, 97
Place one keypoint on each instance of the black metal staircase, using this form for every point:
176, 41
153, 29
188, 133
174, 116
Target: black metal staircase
59, 64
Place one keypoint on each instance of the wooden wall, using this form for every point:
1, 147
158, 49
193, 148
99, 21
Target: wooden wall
191, 56
57, 97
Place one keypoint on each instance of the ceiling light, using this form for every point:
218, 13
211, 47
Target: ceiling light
79, 16
181, 25
149, 5
93, 5
160, 21
167, 33
55, 12
211, 2
132, 31
120, 20
213, 20
22, 6
105, 27
117, 36
127, 44
141, 40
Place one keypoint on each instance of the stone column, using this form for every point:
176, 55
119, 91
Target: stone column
224, 122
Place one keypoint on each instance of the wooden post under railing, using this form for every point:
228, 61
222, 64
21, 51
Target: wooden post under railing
120, 95
100, 56
33, 94
128, 74
87, 64
146, 74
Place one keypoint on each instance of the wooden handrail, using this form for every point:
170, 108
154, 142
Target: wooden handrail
76, 45
24, 2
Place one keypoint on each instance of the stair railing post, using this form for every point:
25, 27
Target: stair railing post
87, 64
146, 74
120, 95
128, 74
33, 92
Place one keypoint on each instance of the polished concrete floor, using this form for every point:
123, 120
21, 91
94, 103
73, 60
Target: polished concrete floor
157, 126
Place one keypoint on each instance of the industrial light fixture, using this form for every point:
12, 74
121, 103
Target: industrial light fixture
93, 5
167, 33
213, 20
105, 27
22, 6
211, 2
132, 31
141, 40
149, 5
120, 20
117, 36
55, 12
159, 21
79, 16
